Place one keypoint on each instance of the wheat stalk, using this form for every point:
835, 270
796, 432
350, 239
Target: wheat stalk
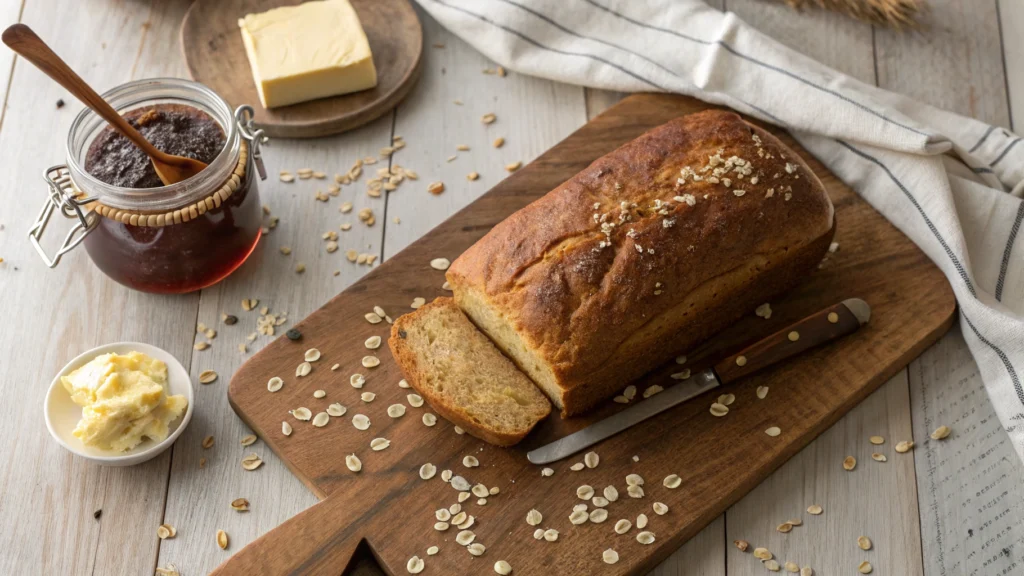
893, 13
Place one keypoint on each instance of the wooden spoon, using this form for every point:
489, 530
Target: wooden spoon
23, 40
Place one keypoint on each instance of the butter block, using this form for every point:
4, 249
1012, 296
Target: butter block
309, 51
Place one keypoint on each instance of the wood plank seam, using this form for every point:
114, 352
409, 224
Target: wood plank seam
10, 74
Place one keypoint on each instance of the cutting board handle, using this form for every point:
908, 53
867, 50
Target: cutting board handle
319, 541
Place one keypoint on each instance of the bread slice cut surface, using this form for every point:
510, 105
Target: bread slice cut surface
463, 376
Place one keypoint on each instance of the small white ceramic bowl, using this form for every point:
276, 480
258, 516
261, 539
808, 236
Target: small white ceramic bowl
62, 415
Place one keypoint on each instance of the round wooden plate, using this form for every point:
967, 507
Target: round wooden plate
212, 45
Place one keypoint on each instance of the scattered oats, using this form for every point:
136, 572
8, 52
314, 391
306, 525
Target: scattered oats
432, 550
312, 355
599, 501
547, 472
165, 531
222, 539
378, 444
465, 538
785, 527
480, 491
171, 569
762, 554
440, 526
373, 342
249, 304
319, 394
815, 509
357, 380
361, 422
300, 268
634, 480
772, 565
459, 430
415, 400
452, 158
371, 361
538, 534
302, 414
534, 518
864, 567
476, 549
681, 375
577, 467
806, 571
773, 431
403, 383
502, 567
240, 504
623, 526
904, 446
660, 509
630, 392
551, 535
459, 483
396, 410
443, 514
591, 459
940, 433
739, 192
792, 567
472, 176
243, 348
611, 494
303, 369
367, 397
429, 419
585, 492
417, 303
440, 263
287, 177
727, 399
578, 517
578, 507
513, 166
414, 565
764, 311
494, 491
248, 440
762, 391
463, 496
200, 346
636, 458
793, 336
719, 409
641, 521
321, 419
251, 462
459, 518
652, 390
833, 247
488, 118
446, 476
849, 463
470, 462
598, 515
645, 537
741, 544
286, 429
878, 457
741, 360
331, 247
436, 188
207, 376
672, 481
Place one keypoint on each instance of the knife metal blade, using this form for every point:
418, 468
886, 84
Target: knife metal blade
677, 394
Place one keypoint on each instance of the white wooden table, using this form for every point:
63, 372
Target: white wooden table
967, 59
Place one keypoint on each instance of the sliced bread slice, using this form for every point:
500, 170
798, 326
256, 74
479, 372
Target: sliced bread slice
463, 376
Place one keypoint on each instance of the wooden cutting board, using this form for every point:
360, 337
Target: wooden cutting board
388, 508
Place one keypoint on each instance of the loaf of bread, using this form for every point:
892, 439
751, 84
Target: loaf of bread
651, 249
463, 376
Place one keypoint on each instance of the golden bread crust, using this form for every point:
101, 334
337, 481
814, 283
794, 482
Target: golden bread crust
592, 275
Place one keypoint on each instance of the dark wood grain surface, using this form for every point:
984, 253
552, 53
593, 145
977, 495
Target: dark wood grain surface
215, 55
719, 460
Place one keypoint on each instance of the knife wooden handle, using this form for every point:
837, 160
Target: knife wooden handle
818, 328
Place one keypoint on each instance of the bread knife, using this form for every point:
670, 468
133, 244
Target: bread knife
823, 326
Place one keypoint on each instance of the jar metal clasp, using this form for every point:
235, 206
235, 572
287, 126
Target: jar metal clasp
62, 195
245, 119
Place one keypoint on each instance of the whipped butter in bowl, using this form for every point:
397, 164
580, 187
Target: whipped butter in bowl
119, 404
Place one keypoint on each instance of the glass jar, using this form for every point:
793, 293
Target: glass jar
168, 239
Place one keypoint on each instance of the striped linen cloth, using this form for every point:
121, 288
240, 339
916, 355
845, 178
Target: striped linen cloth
950, 183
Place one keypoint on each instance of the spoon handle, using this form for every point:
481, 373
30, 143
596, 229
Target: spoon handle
25, 42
